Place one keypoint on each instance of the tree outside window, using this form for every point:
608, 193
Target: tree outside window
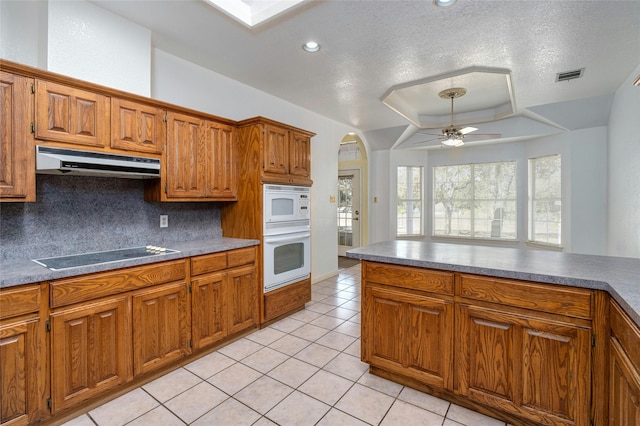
409, 209
475, 201
545, 200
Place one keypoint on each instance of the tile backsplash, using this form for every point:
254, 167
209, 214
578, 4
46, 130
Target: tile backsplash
75, 214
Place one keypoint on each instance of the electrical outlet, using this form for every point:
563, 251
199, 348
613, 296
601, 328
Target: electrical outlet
164, 221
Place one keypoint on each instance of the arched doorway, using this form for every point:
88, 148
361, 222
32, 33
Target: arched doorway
352, 226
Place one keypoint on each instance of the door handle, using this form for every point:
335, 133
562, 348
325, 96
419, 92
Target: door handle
355, 218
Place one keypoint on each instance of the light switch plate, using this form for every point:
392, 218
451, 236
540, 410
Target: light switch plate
164, 221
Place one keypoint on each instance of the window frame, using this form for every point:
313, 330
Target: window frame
421, 202
531, 216
473, 200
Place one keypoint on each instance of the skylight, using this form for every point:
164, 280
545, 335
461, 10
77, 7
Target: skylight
254, 12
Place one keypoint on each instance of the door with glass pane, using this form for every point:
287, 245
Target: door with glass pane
348, 210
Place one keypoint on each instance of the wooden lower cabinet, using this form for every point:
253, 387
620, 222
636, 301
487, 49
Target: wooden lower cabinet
410, 334
209, 324
527, 365
160, 326
242, 299
90, 350
21, 371
624, 370
223, 303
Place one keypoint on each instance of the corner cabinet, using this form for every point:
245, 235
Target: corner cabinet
23, 355
624, 369
17, 146
199, 162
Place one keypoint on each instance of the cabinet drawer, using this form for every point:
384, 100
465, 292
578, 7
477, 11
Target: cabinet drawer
20, 300
409, 277
64, 292
240, 257
208, 263
573, 302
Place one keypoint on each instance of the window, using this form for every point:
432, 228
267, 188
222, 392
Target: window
545, 201
409, 212
475, 201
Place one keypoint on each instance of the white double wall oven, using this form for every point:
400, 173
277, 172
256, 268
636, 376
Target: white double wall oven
287, 235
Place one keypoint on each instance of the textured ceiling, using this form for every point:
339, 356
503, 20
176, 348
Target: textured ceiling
369, 47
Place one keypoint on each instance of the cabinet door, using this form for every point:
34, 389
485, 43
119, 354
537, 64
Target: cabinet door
242, 296
410, 334
185, 157
208, 312
221, 175
65, 114
160, 327
90, 350
17, 152
624, 388
137, 127
525, 365
276, 150
22, 361
300, 155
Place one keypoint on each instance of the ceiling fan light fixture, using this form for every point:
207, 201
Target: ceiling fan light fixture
452, 141
311, 46
443, 3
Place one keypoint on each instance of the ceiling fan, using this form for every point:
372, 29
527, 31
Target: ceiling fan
452, 135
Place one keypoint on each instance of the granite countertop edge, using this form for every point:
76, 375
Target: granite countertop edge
620, 277
13, 273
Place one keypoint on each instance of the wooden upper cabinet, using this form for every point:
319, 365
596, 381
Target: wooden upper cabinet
185, 157
200, 162
137, 127
222, 174
17, 146
300, 154
66, 114
275, 150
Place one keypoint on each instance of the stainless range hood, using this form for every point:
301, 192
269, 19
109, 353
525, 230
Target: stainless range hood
61, 161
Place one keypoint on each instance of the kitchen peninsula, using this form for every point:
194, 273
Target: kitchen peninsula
528, 336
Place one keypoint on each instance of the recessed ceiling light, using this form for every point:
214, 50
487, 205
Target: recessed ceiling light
443, 3
311, 46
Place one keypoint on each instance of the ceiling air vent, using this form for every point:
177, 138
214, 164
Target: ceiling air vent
569, 75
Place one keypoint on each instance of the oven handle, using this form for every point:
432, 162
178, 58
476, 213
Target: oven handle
293, 237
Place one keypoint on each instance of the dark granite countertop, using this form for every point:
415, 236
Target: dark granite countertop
27, 271
620, 276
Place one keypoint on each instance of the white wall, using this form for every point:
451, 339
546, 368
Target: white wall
379, 198
23, 32
623, 226
89, 43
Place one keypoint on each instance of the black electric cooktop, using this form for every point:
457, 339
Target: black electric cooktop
86, 259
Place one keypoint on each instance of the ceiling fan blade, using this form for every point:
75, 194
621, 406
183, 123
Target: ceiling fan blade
422, 132
466, 130
427, 141
484, 136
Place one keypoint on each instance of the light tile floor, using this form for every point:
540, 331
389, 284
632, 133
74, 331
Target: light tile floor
302, 370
